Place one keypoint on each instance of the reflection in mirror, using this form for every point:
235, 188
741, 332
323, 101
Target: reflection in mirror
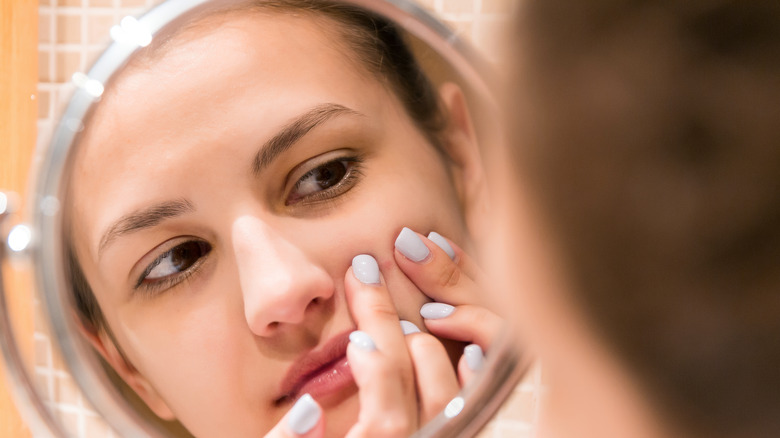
219, 193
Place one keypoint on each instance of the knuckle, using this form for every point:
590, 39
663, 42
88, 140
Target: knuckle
425, 343
382, 309
449, 275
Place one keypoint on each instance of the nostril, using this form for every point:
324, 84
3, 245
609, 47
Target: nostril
313, 304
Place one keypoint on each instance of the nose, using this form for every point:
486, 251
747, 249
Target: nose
279, 284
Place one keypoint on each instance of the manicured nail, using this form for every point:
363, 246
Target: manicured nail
362, 340
442, 243
365, 269
436, 310
304, 415
408, 327
474, 357
411, 246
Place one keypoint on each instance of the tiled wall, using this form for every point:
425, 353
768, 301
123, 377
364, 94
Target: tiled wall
72, 34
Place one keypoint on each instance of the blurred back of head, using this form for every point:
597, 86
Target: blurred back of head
651, 133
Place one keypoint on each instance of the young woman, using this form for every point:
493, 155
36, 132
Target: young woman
237, 213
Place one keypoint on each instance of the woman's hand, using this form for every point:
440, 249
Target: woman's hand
445, 273
397, 393
405, 376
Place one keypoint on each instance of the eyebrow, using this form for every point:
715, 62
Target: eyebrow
296, 129
282, 141
144, 218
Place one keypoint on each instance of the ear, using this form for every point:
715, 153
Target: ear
103, 343
461, 144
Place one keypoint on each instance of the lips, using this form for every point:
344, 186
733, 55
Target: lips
323, 373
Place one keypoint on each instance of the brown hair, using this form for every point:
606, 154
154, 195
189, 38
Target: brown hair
380, 48
654, 149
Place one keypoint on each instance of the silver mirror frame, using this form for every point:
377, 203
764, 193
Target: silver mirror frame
465, 415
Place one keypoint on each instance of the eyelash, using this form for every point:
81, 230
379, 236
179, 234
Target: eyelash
150, 288
354, 172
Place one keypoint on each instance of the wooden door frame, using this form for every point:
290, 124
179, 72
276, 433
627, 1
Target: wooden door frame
18, 131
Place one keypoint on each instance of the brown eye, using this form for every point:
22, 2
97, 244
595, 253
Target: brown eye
323, 181
321, 178
177, 260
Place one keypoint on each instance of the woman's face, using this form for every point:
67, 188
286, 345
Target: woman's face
219, 196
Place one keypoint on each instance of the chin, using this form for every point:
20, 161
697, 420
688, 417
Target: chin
341, 417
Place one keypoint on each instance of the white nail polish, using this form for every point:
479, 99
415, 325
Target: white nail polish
474, 357
304, 415
442, 243
436, 310
408, 327
362, 340
411, 246
366, 269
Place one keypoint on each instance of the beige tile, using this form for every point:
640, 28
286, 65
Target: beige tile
44, 28
511, 430
66, 391
520, 406
69, 2
39, 319
103, 3
67, 63
43, 67
70, 421
69, 29
42, 384
42, 352
43, 113
459, 6
487, 431
92, 56
98, 27
134, 3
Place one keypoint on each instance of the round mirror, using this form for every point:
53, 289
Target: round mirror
241, 202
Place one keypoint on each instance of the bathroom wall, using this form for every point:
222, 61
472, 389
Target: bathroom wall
73, 32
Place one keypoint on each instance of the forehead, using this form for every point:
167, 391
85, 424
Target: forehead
253, 71
216, 71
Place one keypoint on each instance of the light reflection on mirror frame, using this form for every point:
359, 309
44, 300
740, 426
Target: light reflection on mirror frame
416, 21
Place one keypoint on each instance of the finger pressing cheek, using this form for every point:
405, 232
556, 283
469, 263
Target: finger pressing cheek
429, 264
372, 309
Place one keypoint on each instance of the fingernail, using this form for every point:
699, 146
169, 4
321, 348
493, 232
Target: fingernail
362, 340
442, 243
436, 310
408, 327
366, 269
411, 246
474, 357
304, 415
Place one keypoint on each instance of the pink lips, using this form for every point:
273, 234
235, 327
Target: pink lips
323, 373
